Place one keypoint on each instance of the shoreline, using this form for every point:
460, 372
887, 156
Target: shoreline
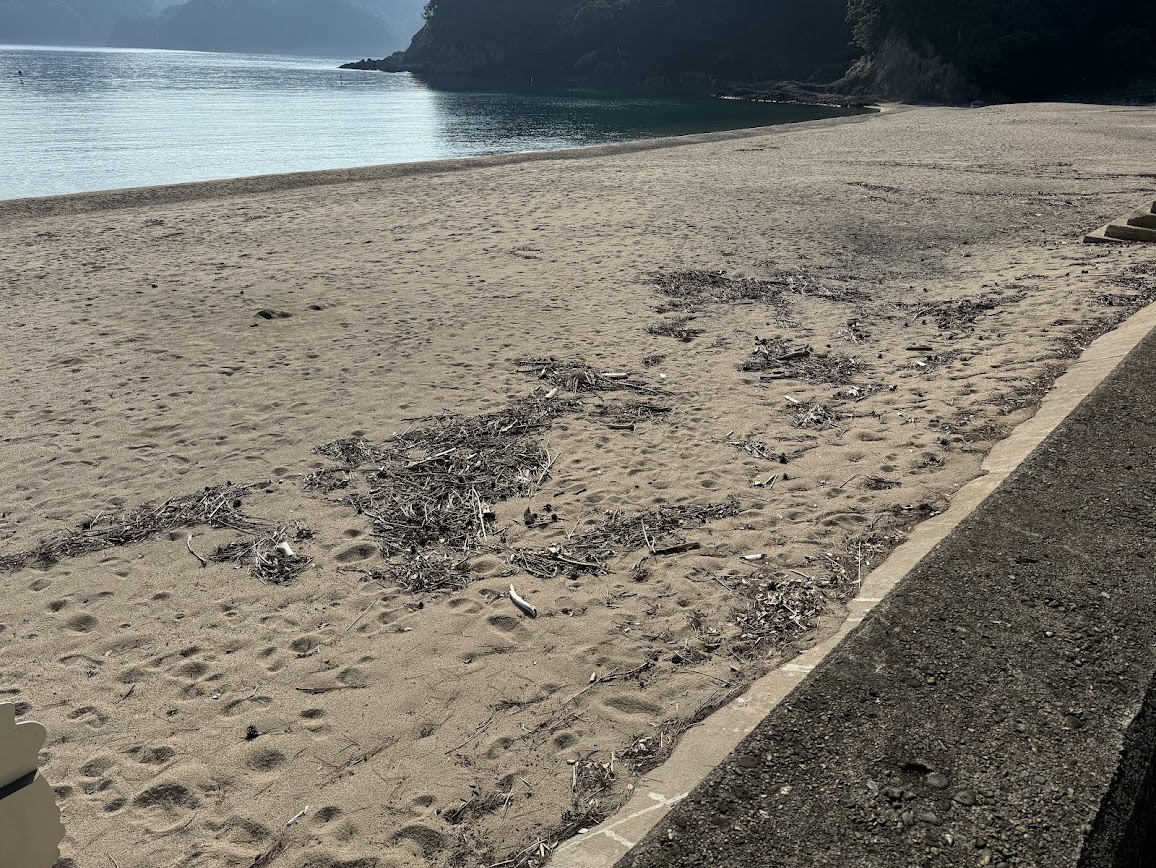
166, 194
799, 343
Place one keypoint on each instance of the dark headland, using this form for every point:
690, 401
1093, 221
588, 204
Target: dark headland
822, 50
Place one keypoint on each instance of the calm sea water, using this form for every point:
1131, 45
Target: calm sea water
101, 119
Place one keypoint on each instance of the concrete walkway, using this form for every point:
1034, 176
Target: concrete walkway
991, 711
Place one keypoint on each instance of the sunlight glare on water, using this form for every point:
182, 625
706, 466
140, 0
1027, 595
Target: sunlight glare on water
100, 119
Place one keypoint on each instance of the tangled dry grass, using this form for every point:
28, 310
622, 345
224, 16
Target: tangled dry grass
776, 360
578, 377
956, 314
429, 491
678, 328
658, 531
690, 289
219, 507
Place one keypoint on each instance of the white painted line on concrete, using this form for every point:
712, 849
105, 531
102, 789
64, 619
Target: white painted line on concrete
705, 746
618, 839
796, 668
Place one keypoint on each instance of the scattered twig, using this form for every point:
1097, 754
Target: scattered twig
189, 543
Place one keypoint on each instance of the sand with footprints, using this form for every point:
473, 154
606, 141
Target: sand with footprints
681, 398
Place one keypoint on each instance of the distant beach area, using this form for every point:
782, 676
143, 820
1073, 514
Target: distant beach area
277, 449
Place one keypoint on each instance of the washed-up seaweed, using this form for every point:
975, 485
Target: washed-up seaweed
776, 612
808, 286
658, 531
577, 376
696, 287
776, 360
957, 314
267, 554
630, 413
430, 491
217, 507
437, 483
816, 415
426, 573
677, 327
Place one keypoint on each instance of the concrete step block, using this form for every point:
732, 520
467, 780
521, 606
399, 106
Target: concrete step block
1124, 232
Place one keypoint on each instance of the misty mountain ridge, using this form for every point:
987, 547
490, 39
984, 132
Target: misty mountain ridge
315, 27
66, 22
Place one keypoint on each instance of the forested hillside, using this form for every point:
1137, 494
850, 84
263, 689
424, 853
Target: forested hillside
1018, 49
952, 50
630, 39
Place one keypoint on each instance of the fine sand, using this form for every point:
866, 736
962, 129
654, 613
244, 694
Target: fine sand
929, 258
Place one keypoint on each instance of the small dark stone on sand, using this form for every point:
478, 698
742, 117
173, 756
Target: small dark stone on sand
747, 761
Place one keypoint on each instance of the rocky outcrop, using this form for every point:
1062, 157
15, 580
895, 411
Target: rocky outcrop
440, 56
898, 71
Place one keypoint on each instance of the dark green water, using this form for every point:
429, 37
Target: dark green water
99, 119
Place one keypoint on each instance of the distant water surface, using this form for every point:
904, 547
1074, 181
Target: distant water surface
78, 120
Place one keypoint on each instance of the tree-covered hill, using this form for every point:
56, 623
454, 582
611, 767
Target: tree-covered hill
913, 49
1018, 49
630, 39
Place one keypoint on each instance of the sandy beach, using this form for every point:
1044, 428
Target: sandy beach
682, 396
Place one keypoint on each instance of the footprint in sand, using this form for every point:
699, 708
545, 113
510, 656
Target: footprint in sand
192, 670
90, 715
326, 815
464, 606
240, 830
305, 646
239, 706
503, 623
625, 703
265, 759
353, 676
352, 554
428, 840
154, 756
97, 766
166, 803
498, 747
82, 622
